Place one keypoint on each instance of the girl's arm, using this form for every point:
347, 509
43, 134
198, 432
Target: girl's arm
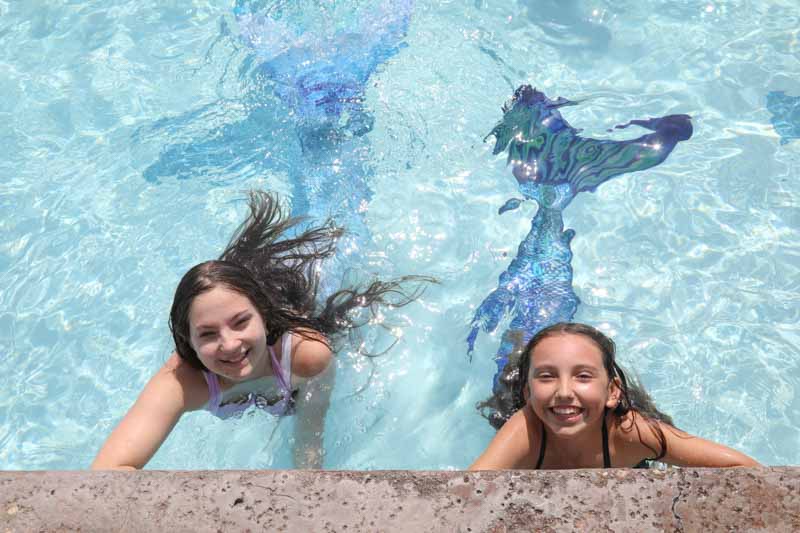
684, 449
514, 446
173, 390
311, 358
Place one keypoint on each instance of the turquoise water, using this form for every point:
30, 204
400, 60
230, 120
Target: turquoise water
131, 130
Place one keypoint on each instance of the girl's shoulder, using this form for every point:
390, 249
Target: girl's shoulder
640, 437
178, 378
635, 437
524, 428
310, 351
515, 445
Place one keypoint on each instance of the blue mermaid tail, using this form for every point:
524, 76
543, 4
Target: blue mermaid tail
552, 164
321, 78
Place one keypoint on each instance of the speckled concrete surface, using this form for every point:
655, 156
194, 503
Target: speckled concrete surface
764, 499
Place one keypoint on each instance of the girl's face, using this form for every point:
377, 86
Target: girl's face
228, 334
569, 386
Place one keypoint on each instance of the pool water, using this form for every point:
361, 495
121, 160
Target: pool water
131, 131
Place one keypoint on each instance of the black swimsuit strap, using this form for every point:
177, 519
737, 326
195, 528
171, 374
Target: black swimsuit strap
606, 453
541, 448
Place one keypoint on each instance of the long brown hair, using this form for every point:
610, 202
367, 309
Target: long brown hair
509, 394
279, 275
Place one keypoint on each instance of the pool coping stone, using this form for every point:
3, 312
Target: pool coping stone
752, 499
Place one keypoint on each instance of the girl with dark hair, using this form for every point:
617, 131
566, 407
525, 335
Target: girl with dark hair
249, 331
571, 406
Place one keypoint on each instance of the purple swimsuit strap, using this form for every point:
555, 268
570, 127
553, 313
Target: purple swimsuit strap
277, 369
214, 392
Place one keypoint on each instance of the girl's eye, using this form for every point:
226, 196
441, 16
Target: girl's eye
206, 334
242, 322
584, 377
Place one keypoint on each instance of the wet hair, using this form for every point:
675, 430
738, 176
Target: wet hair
509, 393
279, 275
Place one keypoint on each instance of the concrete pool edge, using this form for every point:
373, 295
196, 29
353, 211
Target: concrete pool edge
766, 499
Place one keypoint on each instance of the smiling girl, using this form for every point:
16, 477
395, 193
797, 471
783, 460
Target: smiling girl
574, 408
249, 331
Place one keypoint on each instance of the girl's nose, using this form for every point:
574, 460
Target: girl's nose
229, 343
564, 389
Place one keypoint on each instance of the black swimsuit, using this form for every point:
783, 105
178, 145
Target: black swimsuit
644, 463
606, 454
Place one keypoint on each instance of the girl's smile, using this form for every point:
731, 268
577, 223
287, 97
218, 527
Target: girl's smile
567, 414
236, 360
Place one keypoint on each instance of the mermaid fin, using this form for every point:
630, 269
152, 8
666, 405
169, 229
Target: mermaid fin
597, 161
510, 205
493, 308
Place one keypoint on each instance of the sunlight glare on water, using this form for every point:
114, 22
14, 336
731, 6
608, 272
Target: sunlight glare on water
132, 131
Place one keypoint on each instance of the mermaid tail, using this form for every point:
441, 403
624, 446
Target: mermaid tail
321, 78
552, 163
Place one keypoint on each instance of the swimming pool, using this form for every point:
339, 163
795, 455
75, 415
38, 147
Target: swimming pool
132, 130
